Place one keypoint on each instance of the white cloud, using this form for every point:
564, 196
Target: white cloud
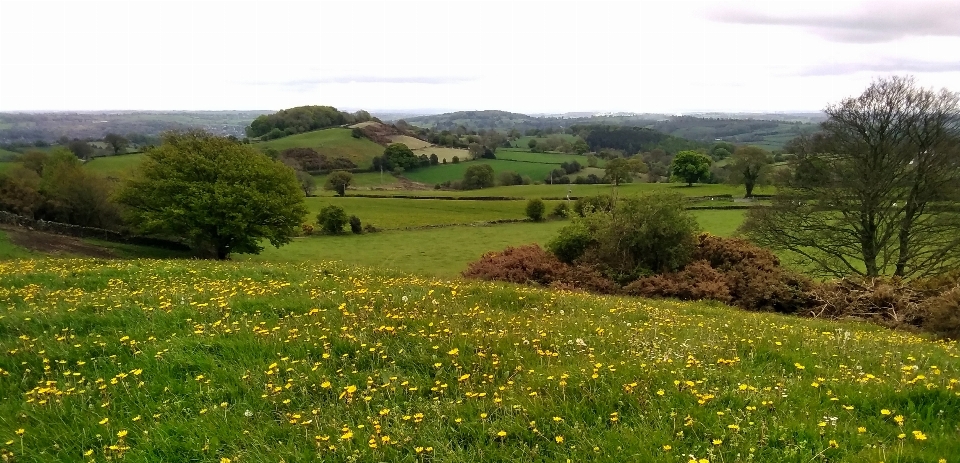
527, 56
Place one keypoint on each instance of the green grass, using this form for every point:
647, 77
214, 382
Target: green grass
120, 166
336, 142
546, 158
558, 191
363, 180
207, 361
6, 166
9, 250
445, 172
440, 251
524, 141
7, 155
390, 213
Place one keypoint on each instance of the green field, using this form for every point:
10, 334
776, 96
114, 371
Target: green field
6, 155
120, 166
560, 191
442, 173
443, 252
546, 158
390, 213
336, 142
234, 362
9, 250
363, 180
444, 153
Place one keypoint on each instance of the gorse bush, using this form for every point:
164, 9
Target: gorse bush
535, 209
355, 226
531, 264
640, 236
332, 219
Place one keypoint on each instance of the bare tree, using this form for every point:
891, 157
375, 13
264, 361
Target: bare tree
748, 167
877, 192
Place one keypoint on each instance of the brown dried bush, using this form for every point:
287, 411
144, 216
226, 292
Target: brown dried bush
695, 282
943, 313
753, 275
531, 264
889, 302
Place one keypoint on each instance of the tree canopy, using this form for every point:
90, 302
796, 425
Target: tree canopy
877, 191
691, 167
748, 166
220, 196
303, 119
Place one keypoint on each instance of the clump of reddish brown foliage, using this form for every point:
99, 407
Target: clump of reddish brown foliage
739, 273
734, 271
531, 264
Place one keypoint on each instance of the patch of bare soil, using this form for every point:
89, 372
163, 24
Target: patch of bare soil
49, 243
407, 184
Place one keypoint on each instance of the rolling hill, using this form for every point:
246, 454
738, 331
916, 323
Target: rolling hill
335, 142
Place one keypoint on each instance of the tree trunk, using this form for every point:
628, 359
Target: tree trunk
749, 187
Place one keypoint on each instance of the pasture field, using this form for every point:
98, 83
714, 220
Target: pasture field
148, 360
444, 172
443, 252
362, 180
443, 152
335, 142
120, 166
546, 158
440, 252
9, 250
560, 191
393, 213
411, 142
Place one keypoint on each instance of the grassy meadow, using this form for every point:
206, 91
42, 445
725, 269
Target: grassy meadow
149, 360
335, 142
120, 166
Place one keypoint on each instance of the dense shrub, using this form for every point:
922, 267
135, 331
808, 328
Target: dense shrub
599, 203
332, 219
306, 229
477, 177
754, 276
532, 265
535, 209
886, 301
562, 211
355, 226
646, 235
695, 282
943, 314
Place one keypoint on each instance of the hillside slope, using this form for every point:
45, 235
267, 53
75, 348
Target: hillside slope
219, 361
335, 142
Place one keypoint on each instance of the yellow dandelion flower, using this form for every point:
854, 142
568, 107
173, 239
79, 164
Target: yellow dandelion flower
861, 430
502, 434
104, 421
20, 432
898, 419
559, 439
88, 453
667, 448
717, 442
122, 433
884, 412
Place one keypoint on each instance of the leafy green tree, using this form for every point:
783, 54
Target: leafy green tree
593, 160
338, 181
536, 209
532, 144
307, 182
617, 171
581, 147
116, 141
221, 197
691, 167
722, 150
434, 159
399, 155
80, 149
332, 219
478, 176
748, 166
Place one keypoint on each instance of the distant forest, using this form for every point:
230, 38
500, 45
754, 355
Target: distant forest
768, 133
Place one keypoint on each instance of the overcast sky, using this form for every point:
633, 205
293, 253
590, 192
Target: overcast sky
525, 56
